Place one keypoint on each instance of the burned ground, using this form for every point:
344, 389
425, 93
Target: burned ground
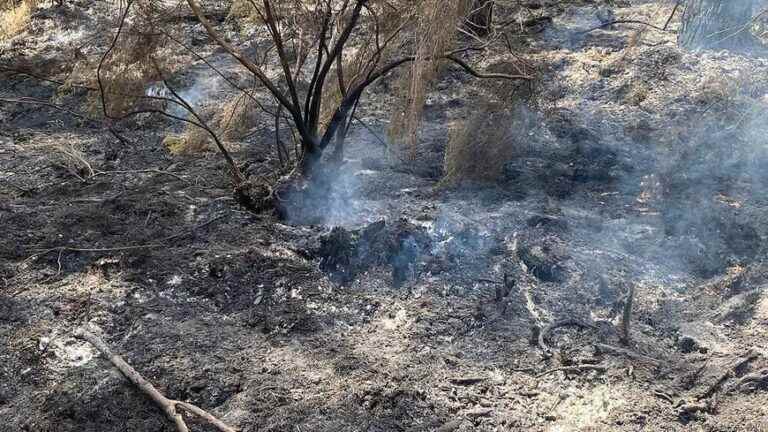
410, 304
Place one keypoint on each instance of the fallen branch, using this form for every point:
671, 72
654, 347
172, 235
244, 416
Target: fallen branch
703, 403
470, 70
750, 356
579, 368
756, 378
169, 406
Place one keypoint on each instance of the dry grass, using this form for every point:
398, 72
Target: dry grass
235, 118
193, 141
141, 56
231, 121
479, 148
436, 31
14, 17
64, 151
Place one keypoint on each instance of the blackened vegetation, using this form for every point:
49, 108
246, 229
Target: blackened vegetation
544, 255
584, 161
346, 253
714, 233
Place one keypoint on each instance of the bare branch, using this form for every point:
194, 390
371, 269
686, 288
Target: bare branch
169, 406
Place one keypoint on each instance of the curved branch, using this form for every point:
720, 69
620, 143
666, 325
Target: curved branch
610, 23
331, 57
355, 93
464, 65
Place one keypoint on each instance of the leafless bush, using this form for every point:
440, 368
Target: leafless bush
331, 52
320, 59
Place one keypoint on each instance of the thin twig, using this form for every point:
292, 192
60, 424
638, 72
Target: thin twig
578, 368
370, 129
159, 243
672, 15
626, 353
610, 23
154, 171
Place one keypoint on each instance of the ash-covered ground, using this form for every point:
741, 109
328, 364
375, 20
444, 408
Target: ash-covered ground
399, 302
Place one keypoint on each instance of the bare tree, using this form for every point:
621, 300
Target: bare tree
346, 45
320, 57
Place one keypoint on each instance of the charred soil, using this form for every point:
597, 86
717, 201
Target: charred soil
409, 304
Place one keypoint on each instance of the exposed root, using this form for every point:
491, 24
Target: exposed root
170, 407
704, 403
626, 317
544, 333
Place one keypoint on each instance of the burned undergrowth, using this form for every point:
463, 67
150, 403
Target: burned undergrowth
384, 297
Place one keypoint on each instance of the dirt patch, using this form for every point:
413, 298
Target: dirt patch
386, 300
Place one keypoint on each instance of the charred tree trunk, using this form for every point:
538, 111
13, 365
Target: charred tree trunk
480, 19
717, 24
311, 158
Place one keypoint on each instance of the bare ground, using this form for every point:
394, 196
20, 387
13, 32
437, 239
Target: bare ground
231, 310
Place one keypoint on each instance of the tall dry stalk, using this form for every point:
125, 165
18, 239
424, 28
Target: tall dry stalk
435, 33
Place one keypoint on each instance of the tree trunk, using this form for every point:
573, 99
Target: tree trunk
310, 159
338, 150
480, 19
717, 24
